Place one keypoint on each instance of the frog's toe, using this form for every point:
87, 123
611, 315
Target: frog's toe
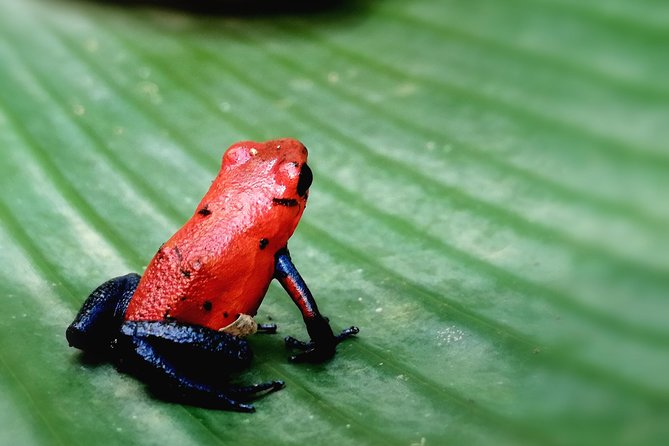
347, 333
291, 342
252, 391
241, 407
267, 328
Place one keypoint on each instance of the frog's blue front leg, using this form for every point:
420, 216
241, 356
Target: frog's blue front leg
323, 341
100, 318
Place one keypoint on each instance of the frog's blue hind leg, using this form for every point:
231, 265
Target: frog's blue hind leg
189, 363
100, 318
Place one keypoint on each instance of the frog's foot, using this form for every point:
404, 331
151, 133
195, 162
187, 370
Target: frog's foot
232, 397
204, 397
315, 352
292, 342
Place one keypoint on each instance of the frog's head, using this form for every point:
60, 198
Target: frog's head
277, 167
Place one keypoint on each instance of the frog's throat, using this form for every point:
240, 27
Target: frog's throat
243, 326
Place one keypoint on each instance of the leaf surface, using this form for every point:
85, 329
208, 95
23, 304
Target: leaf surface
489, 206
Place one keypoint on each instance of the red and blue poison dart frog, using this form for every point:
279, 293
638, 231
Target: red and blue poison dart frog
181, 327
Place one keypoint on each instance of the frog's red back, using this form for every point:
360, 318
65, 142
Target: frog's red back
220, 263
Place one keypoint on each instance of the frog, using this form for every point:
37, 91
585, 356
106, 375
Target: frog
182, 326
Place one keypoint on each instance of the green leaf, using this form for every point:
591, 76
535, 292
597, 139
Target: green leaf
489, 206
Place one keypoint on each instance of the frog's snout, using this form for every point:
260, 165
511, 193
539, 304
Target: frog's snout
306, 177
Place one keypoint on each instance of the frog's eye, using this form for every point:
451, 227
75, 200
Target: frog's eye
239, 154
306, 177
